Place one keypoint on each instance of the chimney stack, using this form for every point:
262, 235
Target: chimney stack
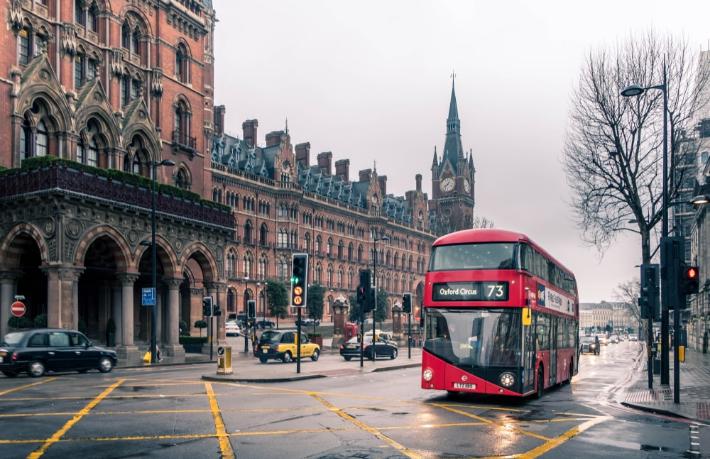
342, 169
382, 179
418, 179
365, 175
273, 138
303, 154
324, 162
219, 119
249, 129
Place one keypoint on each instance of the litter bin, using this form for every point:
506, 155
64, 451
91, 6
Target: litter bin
656, 366
224, 360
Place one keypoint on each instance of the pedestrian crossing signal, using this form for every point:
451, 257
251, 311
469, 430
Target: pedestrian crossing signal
690, 283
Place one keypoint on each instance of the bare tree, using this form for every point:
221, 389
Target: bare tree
628, 293
482, 222
614, 145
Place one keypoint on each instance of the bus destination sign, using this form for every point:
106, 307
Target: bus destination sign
470, 291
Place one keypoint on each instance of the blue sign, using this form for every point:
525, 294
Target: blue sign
148, 297
540, 295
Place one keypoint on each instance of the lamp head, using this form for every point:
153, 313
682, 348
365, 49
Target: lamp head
633, 91
700, 200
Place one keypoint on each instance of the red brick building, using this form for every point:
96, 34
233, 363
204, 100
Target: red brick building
108, 89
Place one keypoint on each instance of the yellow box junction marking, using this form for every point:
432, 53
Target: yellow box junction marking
557, 441
403, 449
224, 444
70, 423
26, 386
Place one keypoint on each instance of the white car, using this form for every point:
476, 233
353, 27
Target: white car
232, 329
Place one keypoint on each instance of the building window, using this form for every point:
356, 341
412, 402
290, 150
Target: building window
93, 19
263, 234
125, 90
125, 35
182, 180
79, 75
25, 140
91, 69
182, 64
247, 232
79, 16
25, 45
248, 265
136, 43
262, 266
41, 140
135, 89
92, 153
182, 122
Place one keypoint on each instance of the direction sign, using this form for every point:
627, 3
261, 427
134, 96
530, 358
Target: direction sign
148, 298
18, 309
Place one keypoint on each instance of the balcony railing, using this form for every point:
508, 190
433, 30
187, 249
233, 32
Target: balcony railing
65, 178
181, 139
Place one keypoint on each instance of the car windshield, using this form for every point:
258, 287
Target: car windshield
587, 339
13, 339
496, 255
480, 338
270, 337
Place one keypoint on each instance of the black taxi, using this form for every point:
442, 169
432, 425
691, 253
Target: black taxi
42, 350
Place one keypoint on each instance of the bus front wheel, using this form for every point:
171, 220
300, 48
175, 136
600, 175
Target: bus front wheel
540, 383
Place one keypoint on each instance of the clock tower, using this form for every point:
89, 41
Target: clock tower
453, 179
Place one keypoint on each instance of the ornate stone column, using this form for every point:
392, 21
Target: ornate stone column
216, 290
127, 351
173, 347
62, 291
116, 311
8, 288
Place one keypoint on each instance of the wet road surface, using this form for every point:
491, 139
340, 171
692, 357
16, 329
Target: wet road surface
170, 412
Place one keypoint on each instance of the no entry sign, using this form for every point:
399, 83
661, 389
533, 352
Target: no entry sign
18, 309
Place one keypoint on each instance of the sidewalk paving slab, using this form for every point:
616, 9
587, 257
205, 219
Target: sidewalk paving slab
694, 391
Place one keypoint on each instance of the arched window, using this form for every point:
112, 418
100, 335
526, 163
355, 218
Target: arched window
307, 242
79, 16
263, 263
136, 42
248, 265
350, 252
79, 71
125, 90
136, 165
182, 122
125, 35
319, 273
247, 232
182, 179
319, 242
359, 254
126, 163
283, 270
41, 139
396, 260
141, 157
92, 153
232, 264
330, 275
350, 279
330, 246
25, 139
93, 19
263, 234
341, 248
340, 278
231, 301
24, 51
182, 63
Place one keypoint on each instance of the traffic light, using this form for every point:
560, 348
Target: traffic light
649, 301
299, 279
216, 310
207, 306
407, 303
365, 292
251, 309
690, 280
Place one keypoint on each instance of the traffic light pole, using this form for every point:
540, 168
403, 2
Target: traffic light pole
676, 350
361, 332
409, 335
211, 335
298, 339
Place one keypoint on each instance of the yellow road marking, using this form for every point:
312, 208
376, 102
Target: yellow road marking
115, 397
70, 423
510, 425
483, 407
557, 441
224, 444
403, 449
26, 386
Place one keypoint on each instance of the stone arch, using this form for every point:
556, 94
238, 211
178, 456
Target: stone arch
137, 137
204, 257
165, 254
136, 18
105, 120
124, 261
8, 251
56, 104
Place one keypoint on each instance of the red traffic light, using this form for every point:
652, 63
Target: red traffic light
691, 272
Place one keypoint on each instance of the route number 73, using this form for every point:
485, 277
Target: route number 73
495, 290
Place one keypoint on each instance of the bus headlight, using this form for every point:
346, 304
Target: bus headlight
507, 379
427, 374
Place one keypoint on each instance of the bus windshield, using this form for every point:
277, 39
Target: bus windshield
476, 338
493, 255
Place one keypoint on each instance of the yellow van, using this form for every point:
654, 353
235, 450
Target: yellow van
281, 345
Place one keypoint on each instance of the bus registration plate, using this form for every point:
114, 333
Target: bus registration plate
458, 385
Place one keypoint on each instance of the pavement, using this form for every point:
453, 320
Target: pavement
694, 390
248, 369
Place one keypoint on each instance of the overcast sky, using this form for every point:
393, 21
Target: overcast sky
370, 80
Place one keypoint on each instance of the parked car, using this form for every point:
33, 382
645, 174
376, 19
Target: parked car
587, 344
633, 338
614, 339
42, 350
308, 321
383, 348
232, 328
281, 345
381, 335
264, 324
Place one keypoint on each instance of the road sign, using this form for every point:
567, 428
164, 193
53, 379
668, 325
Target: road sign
220, 351
18, 309
148, 298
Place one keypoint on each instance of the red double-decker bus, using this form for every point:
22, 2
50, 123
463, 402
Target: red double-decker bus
501, 316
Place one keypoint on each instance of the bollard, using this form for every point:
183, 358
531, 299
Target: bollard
681, 354
224, 360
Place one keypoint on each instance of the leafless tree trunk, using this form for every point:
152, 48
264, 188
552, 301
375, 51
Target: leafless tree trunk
614, 146
482, 222
628, 293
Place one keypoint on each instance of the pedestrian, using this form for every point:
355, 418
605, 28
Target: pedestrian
705, 342
596, 345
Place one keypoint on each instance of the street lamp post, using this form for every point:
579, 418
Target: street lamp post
154, 255
633, 91
374, 276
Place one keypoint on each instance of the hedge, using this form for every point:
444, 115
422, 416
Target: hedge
193, 339
120, 176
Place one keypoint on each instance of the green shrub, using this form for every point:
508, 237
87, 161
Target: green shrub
193, 339
41, 321
184, 329
19, 322
200, 324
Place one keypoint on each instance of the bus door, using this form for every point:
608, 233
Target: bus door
553, 350
529, 350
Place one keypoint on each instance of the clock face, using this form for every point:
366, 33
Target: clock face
447, 184
466, 185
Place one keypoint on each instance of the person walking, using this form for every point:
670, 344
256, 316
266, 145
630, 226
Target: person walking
705, 342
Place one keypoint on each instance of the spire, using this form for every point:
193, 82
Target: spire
287, 125
435, 162
453, 108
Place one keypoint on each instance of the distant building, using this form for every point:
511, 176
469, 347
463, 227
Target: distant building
601, 315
